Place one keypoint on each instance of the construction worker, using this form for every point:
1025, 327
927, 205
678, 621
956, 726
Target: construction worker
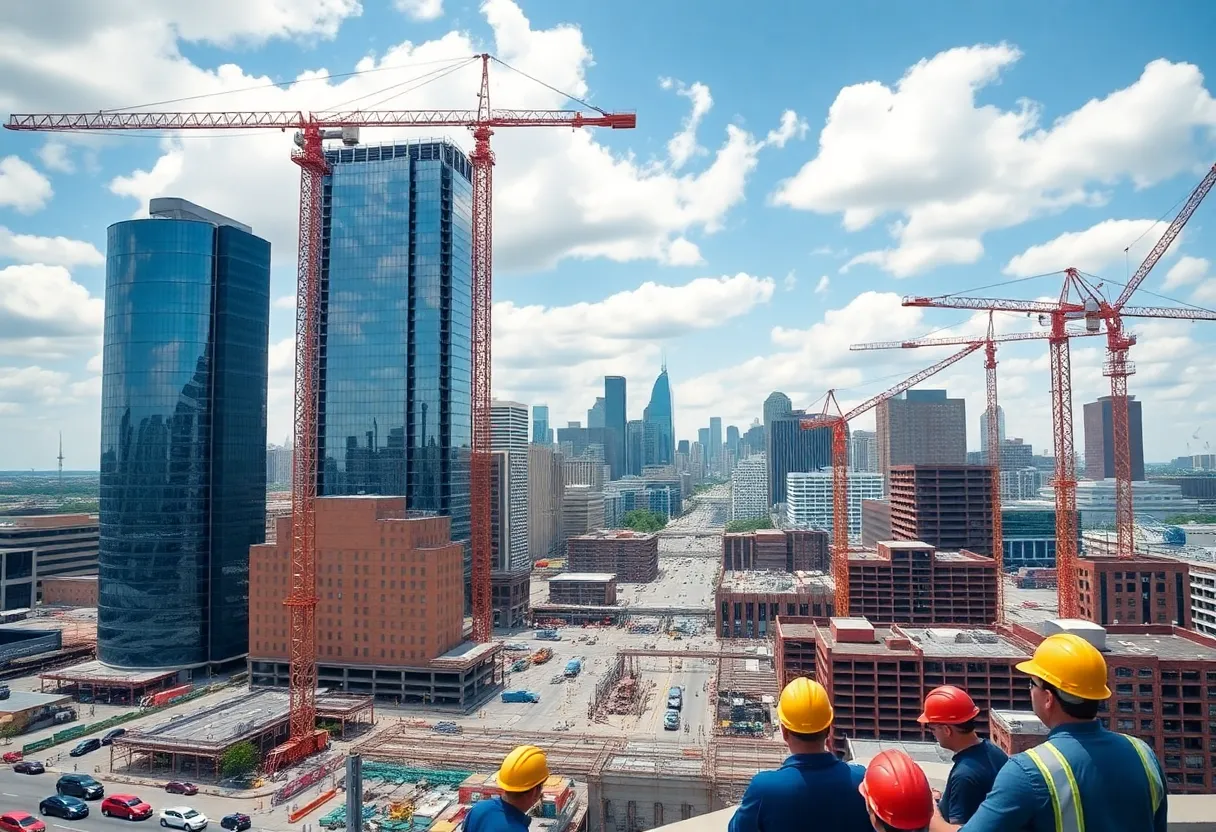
1083, 776
950, 714
521, 777
813, 789
897, 793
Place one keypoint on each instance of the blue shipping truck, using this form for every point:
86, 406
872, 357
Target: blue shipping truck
520, 696
573, 667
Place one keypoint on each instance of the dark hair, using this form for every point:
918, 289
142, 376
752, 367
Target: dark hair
967, 727
818, 736
1083, 709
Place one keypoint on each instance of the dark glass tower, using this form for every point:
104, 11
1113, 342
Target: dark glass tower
396, 327
795, 449
660, 439
183, 438
615, 422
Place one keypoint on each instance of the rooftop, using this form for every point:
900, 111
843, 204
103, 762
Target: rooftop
612, 534
951, 641
922, 752
748, 581
96, 673
20, 700
1170, 647
588, 577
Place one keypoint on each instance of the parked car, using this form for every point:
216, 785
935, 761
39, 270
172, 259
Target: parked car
64, 806
125, 806
183, 817
13, 756
29, 767
671, 720
85, 746
21, 822
178, 787
80, 785
4, 692
236, 822
111, 735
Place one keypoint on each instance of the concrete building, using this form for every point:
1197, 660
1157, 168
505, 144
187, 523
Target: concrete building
1099, 439
1203, 597
546, 486
509, 435
70, 592
1146, 590
1014, 454
1021, 484
1151, 500
921, 427
779, 550
596, 589
510, 597
908, 581
747, 604
1000, 427
809, 504
863, 451
44, 546
278, 465
585, 471
749, 489
582, 512
632, 556
947, 506
875, 522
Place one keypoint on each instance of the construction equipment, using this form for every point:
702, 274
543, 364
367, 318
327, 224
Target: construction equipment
838, 423
312, 130
542, 655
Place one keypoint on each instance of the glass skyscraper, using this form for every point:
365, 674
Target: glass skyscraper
396, 327
183, 438
615, 421
660, 432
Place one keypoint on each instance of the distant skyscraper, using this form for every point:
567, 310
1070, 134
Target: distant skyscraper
1100, 442
615, 421
682, 446
715, 441
509, 434
635, 447
1000, 426
183, 437
661, 444
703, 437
541, 434
595, 414
749, 489
776, 406
921, 427
396, 352
863, 451
796, 450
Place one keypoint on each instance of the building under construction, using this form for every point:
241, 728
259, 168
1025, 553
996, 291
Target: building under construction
583, 589
948, 506
510, 594
1146, 590
781, 550
910, 581
746, 604
632, 556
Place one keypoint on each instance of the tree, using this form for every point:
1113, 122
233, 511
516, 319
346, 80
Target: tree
749, 525
1183, 519
241, 758
642, 520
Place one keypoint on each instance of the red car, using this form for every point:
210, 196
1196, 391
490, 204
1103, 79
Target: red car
21, 822
12, 756
178, 787
125, 806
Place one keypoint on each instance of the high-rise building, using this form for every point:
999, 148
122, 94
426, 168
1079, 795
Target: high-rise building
1000, 427
703, 440
183, 437
44, 547
794, 450
396, 344
921, 427
808, 499
509, 433
863, 451
776, 406
546, 484
541, 433
635, 447
733, 445
660, 439
947, 506
749, 489
753, 440
595, 413
682, 447
715, 442
1100, 442
615, 421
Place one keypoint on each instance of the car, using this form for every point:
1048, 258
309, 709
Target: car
675, 698
85, 746
80, 785
5, 693
21, 822
178, 787
13, 756
671, 720
125, 806
237, 822
183, 817
64, 806
111, 735
29, 767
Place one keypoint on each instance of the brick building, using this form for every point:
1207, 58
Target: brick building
1146, 590
781, 550
948, 506
747, 604
510, 596
1015, 731
583, 589
908, 581
875, 521
70, 592
632, 556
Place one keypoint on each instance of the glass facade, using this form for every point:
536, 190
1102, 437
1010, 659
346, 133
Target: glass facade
660, 434
615, 421
183, 437
792, 450
396, 333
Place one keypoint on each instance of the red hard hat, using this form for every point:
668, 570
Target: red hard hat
897, 791
948, 705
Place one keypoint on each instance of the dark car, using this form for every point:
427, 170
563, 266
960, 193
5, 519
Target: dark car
80, 785
4, 692
178, 787
64, 806
85, 746
111, 735
236, 822
29, 767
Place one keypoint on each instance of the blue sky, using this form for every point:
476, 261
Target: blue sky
615, 249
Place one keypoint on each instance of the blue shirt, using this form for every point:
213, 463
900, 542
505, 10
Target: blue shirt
809, 792
970, 780
495, 815
1114, 787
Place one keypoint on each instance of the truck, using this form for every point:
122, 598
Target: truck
520, 696
573, 667
548, 635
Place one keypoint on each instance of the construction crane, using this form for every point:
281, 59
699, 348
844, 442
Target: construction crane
838, 422
989, 342
312, 130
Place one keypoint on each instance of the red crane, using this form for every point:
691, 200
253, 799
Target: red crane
313, 129
989, 341
838, 422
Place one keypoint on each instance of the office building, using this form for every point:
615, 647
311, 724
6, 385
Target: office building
753, 440
776, 406
396, 343
632, 556
616, 423
947, 506
780, 550
582, 512
749, 489
1029, 534
863, 451
715, 444
733, 440
595, 414
1021, 484
542, 434
585, 472
509, 434
921, 427
575, 441
1000, 427
278, 466
634, 447
809, 505
43, 547
183, 437
795, 450
546, 485
659, 433
1100, 442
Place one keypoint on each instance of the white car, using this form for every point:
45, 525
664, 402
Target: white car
183, 817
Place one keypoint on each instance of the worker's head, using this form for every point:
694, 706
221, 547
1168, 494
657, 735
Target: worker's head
522, 776
805, 715
1067, 679
950, 714
897, 793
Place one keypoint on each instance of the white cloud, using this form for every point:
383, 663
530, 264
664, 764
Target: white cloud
1092, 250
683, 145
790, 281
822, 285
420, 9
21, 385
50, 251
22, 187
953, 170
54, 156
43, 311
1186, 271
791, 127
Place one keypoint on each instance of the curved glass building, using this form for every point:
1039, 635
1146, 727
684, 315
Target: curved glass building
659, 426
183, 439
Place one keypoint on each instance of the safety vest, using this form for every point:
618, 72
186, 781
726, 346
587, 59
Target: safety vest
1062, 783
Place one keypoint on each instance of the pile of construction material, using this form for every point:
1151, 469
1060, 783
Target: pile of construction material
1036, 578
644, 626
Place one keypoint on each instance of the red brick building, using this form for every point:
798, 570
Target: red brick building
947, 506
910, 581
782, 550
1146, 590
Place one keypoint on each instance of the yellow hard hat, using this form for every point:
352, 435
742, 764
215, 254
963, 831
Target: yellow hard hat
1070, 664
523, 769
804, 707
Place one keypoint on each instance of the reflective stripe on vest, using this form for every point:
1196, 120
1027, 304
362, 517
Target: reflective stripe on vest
1156, 788
1057, 773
